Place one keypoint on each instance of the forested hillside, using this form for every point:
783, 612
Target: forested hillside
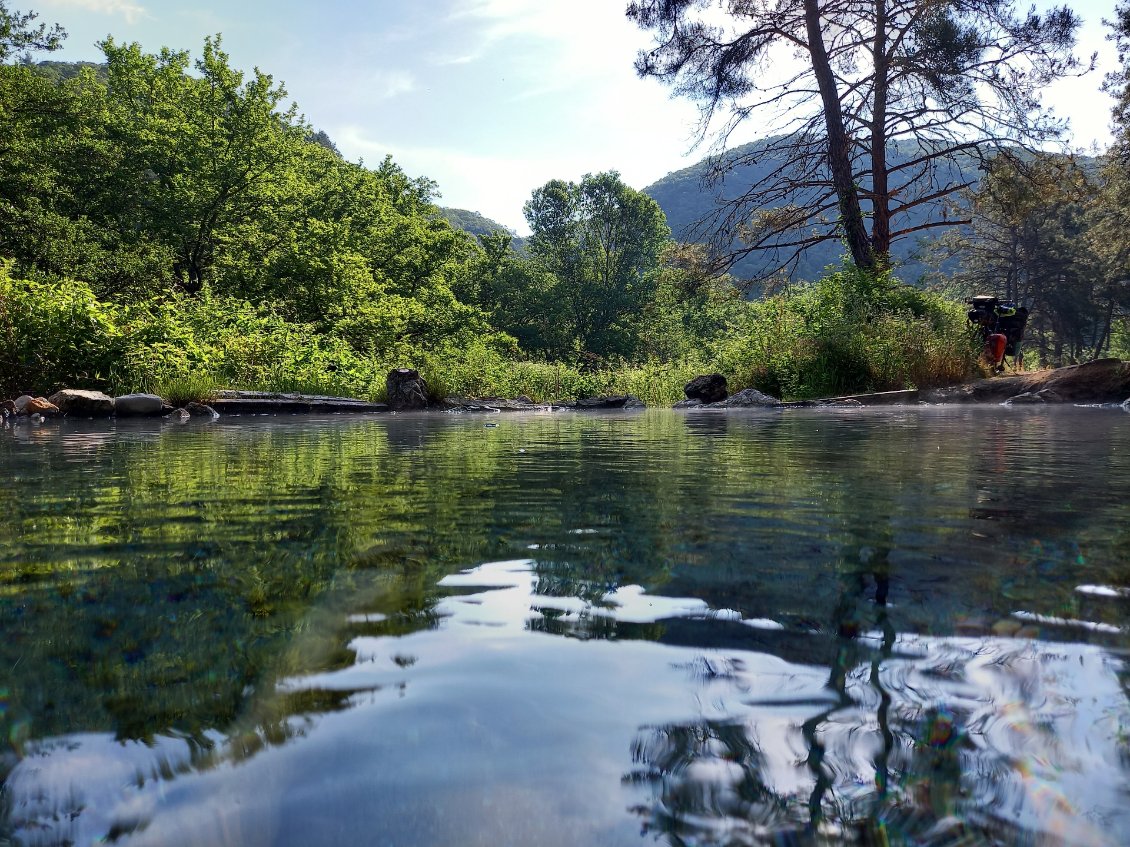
478, 225
699, 198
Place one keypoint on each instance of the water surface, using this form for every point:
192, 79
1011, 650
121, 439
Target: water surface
826, 627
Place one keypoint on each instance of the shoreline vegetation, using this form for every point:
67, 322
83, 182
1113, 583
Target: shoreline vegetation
828, 338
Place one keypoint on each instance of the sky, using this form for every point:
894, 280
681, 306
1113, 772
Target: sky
489, 98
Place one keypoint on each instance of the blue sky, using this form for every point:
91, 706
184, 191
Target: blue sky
489, 98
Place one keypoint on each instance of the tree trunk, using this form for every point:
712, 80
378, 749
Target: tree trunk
880, 188
839, 149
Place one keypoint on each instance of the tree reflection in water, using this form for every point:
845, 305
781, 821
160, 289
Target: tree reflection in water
723, 781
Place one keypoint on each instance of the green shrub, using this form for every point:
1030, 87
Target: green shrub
56, 335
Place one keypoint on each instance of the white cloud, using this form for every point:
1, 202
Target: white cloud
132, 12
387, 84
499, 185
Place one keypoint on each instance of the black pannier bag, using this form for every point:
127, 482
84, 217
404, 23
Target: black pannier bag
1011, 321
984, 311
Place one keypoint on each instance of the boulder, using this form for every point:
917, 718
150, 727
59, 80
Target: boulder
138, 404
709, 388
179, 415
201, 410
406, 389
20, 403
750, 397
75, 402
40, 406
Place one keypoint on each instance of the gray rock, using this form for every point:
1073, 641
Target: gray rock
406, 389
688, 404
138, 404
20, 403
179, 415
1050, 395
709, 388
1025, 399
94, 404
750, 397
201, 410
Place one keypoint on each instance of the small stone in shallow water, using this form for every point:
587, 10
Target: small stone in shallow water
1006, 627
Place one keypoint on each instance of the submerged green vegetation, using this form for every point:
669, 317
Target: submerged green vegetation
175, 226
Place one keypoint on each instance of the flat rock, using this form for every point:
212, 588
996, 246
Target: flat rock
747, 398
73, 401
455, 403
617, 401
268, 402
138, 404
1101, 381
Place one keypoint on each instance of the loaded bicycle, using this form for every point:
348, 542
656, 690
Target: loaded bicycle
1000, 324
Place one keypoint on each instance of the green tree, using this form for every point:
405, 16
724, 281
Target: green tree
210, 153
517, 294
19, 34
948, 78
602, 241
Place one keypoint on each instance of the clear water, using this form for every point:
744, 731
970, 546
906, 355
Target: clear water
874, 627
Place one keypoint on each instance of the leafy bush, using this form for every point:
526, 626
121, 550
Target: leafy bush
54, 335
847, 333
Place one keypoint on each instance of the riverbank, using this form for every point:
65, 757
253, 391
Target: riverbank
1106, 381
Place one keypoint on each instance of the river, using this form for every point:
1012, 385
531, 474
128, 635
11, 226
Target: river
853, 626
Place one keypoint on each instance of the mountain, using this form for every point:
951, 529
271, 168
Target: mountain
476, 224
687, 199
